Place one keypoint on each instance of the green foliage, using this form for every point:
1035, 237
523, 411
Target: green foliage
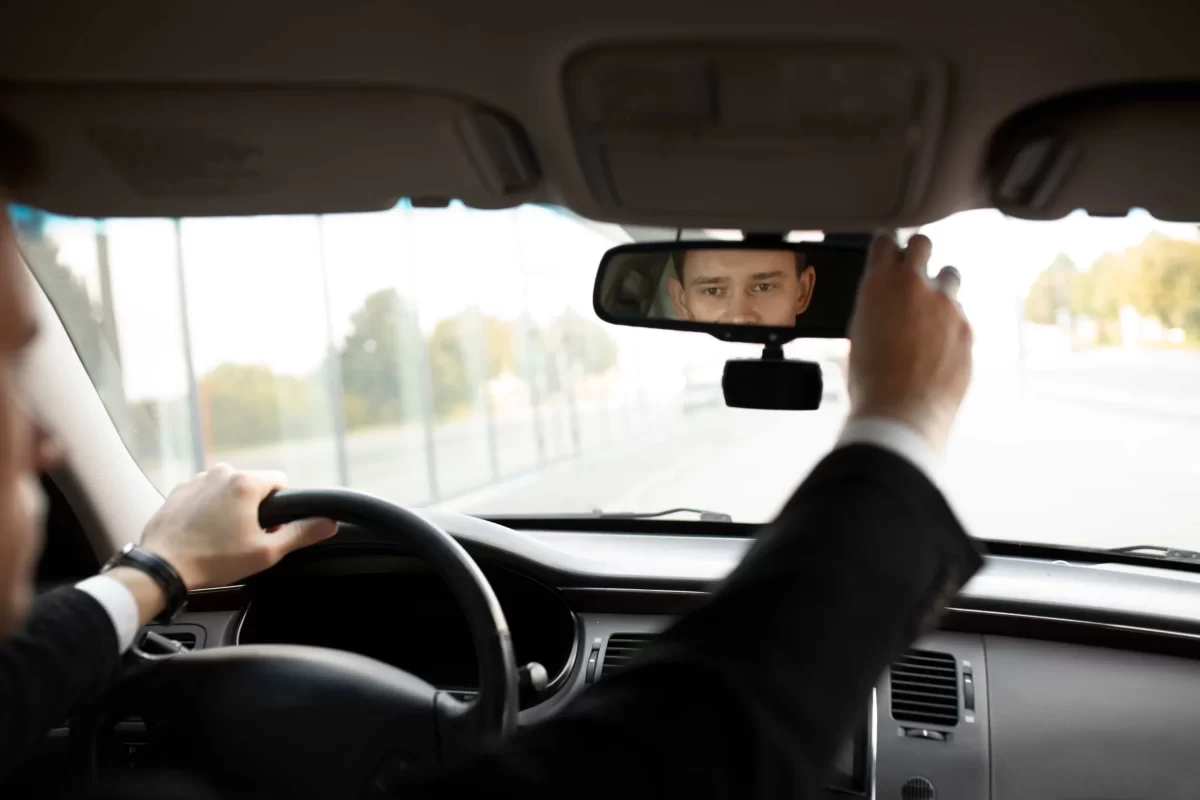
1168, 288
1160, 278
248, 404
584, 342
448, 369
378, 362
1104, 288
466, 351
1052, 291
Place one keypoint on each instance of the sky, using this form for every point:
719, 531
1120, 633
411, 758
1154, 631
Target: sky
255, 286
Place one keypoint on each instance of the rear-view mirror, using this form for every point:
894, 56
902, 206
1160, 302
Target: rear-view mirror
769, 292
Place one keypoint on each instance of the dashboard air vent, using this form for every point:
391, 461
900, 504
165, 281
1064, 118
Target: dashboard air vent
925, 688
188, 640
622, 647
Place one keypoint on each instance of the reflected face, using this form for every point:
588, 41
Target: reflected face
24, 447
742, 287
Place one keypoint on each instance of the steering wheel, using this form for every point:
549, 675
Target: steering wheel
314, 722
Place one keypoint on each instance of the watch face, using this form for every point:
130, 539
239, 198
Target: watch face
116, 558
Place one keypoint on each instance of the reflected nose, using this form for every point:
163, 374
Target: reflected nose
740, 311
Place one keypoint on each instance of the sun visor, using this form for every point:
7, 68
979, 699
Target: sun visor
1105, 151
121, 152
818, 135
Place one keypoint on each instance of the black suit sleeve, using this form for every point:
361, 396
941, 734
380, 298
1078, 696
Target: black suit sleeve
751, 696
65, 653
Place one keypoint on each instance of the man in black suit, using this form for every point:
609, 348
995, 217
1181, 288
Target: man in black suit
752, 695
748, 697
64, 646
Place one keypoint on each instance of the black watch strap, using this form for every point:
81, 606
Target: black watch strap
159, 570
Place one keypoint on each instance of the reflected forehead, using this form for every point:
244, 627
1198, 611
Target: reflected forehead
757, 260
710, 263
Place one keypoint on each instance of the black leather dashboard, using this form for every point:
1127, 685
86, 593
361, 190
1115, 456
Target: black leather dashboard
1047, 679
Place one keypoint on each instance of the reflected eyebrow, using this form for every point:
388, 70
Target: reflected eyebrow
762, 276
709, 281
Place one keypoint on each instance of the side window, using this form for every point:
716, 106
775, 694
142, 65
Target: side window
83, 265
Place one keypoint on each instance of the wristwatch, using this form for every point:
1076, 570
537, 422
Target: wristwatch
159, 570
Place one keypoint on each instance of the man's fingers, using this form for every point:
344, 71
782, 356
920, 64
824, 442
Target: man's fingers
916, 254
884, 251
302, 533
948, 281
271, 478
260, 481
253, 485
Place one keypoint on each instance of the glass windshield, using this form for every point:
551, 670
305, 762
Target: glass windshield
450, 358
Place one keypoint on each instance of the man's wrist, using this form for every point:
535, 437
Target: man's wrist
147, 594
180, 565
174, 588
927, 421
898, 437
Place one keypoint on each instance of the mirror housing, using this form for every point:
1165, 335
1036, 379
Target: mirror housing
737, 291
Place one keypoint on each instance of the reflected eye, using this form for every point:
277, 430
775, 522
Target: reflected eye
763, 287
713, 291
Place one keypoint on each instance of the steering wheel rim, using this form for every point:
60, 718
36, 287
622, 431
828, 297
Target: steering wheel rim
495, 707
316, 722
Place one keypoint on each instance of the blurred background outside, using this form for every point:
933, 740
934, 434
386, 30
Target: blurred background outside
451, 358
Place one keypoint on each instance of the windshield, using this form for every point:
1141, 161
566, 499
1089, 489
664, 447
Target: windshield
450, 358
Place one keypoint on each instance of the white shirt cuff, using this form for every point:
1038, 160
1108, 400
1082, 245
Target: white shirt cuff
901, 439
117, 601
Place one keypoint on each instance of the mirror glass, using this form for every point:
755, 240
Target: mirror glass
807, 287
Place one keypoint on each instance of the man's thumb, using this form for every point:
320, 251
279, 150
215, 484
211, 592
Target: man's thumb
304, 532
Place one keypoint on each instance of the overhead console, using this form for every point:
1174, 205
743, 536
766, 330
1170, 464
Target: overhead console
740, 134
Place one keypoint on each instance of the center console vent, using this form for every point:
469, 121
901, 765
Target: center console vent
925, 688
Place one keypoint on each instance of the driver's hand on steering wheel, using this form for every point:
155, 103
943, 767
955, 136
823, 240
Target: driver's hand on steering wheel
208, 530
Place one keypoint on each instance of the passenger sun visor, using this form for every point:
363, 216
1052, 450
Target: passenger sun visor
1105, 151
197, 151
760, 137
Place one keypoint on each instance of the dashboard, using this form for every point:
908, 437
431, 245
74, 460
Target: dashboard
394, 610
1046, 679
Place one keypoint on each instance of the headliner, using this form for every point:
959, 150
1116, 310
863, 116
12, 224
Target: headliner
1000, 58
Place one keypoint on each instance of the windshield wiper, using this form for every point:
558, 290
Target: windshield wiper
705, 516
1158, 551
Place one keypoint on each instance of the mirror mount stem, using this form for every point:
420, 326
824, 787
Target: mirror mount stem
772, 352
764, 238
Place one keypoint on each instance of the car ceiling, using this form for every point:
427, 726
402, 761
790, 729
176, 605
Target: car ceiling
356, 105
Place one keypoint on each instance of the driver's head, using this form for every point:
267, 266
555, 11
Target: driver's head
742, 287
25, 449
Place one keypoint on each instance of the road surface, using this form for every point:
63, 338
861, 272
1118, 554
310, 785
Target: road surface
1097, 449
